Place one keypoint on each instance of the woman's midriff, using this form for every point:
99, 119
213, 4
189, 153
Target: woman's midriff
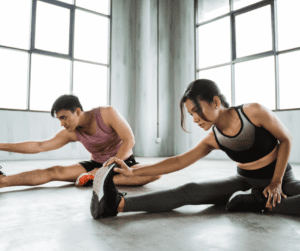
264, 161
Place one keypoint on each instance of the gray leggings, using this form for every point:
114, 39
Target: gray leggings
214, 192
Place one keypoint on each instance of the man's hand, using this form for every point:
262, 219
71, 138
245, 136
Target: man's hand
273, 191
122, 169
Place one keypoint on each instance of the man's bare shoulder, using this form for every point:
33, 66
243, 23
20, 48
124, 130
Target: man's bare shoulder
107, 114
70, 136
105, 109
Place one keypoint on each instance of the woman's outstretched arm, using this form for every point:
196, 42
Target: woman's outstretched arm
169, 165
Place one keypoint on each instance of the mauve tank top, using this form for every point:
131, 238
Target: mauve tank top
104, 144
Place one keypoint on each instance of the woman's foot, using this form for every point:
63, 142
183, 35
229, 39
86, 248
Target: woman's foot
252, 200
106, 197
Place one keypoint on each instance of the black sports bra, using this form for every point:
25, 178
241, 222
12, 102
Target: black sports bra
250, 144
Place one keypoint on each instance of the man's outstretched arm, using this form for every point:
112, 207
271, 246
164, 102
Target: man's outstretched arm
59, 140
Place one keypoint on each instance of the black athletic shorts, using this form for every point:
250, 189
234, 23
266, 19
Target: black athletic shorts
91, 164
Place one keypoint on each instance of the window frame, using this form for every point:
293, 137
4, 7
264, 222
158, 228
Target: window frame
234, 60
70, 55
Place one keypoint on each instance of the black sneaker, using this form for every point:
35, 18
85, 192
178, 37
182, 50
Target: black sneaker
106, 196
1, 173
246, 201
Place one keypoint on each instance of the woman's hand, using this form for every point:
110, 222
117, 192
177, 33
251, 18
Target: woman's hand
122, 169
273, 191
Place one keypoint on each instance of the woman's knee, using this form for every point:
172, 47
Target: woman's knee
291, 188
191, 188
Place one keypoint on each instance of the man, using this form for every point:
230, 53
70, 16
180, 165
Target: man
103, 132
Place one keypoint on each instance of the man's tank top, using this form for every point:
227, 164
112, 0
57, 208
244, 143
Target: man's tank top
104, 144
250, 144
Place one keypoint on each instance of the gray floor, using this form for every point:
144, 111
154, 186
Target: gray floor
56, 216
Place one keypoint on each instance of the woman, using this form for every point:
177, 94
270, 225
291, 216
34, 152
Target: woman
249, 134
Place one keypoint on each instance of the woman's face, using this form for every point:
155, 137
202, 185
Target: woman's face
208, 110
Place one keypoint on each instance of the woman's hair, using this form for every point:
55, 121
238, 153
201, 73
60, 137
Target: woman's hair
204, 90
66, 102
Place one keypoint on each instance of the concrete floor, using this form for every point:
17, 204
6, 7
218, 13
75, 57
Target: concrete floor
56, 216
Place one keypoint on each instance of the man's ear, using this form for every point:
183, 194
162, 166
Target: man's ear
78, 111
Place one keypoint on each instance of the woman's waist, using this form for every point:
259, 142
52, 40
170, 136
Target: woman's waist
260, 163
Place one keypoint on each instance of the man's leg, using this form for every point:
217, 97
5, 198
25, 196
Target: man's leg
42, 176
121, 180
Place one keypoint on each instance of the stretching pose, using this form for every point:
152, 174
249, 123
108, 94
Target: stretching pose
249, 134
103, 132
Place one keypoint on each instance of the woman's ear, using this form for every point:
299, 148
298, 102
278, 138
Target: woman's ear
217, 102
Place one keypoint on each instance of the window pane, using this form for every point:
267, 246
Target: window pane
289, 80
90, 84
238, 4
13, 79
91, 44
95, 5
52, 34
222, 77
255, 82
15, 23
288, 24
50, 78
254, 32
208, 9
214, 43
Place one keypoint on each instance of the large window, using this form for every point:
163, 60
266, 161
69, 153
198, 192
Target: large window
49, 48
251, 49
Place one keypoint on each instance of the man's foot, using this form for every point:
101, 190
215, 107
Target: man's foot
246, 201
106, 196
2, 173
84, 180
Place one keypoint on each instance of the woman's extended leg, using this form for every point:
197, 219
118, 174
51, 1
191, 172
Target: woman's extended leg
210, 192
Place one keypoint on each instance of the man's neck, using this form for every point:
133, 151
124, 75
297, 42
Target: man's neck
86, 121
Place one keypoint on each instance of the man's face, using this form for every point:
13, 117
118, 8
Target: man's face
68, 119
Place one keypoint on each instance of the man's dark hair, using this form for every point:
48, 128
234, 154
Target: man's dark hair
66, 102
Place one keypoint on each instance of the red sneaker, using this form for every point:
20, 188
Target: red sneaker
84, 180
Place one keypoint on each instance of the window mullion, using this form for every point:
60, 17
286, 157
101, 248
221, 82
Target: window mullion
233, 52
32, 44
71, 46
275, 49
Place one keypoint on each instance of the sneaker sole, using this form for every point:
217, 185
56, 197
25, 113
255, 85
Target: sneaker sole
97, 203
239, 192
